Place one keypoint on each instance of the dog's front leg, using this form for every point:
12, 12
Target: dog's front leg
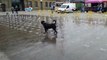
55, 32
46, 30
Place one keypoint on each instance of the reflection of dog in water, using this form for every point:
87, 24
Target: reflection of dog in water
49, 26
48, 39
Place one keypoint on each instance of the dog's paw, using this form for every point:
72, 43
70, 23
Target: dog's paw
44, 32
55, 33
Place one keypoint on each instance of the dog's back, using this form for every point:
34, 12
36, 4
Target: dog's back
49, 25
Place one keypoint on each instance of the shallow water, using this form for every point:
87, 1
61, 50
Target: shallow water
77, 39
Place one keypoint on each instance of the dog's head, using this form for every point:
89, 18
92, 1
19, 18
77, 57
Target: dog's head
42, 22
54, 20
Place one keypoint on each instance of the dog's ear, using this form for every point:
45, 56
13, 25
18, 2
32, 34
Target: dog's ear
54, 20
42, 22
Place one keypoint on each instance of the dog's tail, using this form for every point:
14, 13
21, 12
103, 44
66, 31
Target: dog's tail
54, 21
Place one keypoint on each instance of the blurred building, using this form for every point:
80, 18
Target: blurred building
5, 5
61, 0
77, 1
95, 3
39, 4
19, 3
22, 4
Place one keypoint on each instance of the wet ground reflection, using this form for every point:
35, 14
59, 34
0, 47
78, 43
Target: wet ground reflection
49, 39
78, 38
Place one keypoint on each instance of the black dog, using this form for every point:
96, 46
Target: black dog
49, 26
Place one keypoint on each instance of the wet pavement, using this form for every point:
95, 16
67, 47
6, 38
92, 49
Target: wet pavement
80, 37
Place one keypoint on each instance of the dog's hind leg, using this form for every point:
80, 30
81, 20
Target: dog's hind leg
55, 32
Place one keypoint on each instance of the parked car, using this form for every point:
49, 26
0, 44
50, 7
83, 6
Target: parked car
67, 7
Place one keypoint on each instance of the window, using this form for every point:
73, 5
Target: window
15, 0
67, 6
63, 6
53, 3
36, 4
46, 4
30, 3
49, 4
